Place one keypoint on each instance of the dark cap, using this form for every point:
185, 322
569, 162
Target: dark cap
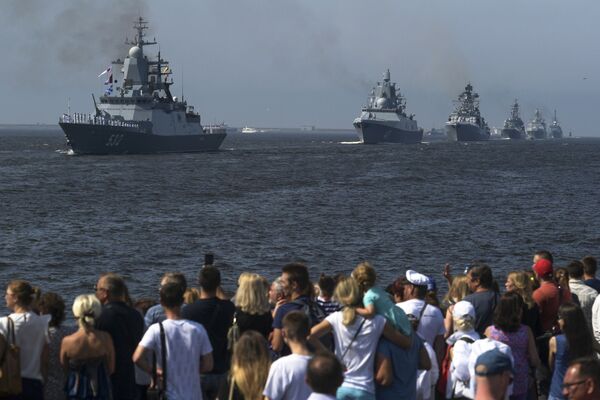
492, 362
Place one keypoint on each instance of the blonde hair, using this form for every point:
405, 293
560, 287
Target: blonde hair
464, 323
523, 285
348, 294
86, 309
250, 364
252, 296
459, 289
191, 295
365, 275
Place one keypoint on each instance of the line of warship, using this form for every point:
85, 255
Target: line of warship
384, 120
536, 128
513, 128
466, 124
555, 129
142, 116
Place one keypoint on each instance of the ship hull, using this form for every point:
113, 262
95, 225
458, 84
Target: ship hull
373, 132
513, 134
556, 134
536, 134
107, 139
465, 133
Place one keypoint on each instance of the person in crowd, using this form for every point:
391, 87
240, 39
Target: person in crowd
88, 355
250, 365
356, 340
125, 326
478, 348
324, 375
396, 290
483, 297
253, 311
297, 289
584, 293
325, 298
276, 294
507, 328
521, 283
376, 301
429, 319
575, 341
426, 377
156, 313
547, 296
216, 316
493, 372
543, 255
188, 349
191, 295
52, 305
30, 334
458, 290
590, 265
582, 380
561, 277
287, 375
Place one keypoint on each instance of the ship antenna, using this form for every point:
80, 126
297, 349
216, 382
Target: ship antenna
182, 83
68, 106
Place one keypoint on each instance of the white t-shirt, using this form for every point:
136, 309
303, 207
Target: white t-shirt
360, 358
477, 348
31, 332
320, 396
426, 380
432, 322
186, 342
287, 378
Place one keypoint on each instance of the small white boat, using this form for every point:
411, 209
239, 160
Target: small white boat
249, 130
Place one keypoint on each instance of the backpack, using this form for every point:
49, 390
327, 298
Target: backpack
445, 368
315, 314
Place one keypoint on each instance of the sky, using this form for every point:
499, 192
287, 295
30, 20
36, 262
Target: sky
288, 63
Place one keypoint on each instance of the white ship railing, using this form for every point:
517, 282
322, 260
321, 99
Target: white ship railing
89, 119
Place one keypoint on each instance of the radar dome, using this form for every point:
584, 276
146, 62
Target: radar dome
382, 102
135, 52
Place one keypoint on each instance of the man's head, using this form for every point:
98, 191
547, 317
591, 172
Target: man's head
582, 379
575, 269
480, 277
295, 280
324, 373
276, 291
209, 279
493, 371
295, 327
171, 295
542, 255
590, 265
326, 285
543, 269
174, 277
111, 287
416, 285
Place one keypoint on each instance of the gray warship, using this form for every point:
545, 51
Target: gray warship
466, 124
142, 116
555, 129
536, 128
514, 128
384, 120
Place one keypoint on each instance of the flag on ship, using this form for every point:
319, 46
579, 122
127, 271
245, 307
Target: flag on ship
106, 71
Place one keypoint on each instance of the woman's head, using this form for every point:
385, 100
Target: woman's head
20, 293
459, 289
86, 309
508, 312
365, 275
520, 282
463, 316
252, 295
573, 324
250, 364
52, 304
349, 296
191, 295
561, 275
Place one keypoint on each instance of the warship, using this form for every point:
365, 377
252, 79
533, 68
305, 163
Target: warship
141, 115
536, 128
384, 120
513, 125
555, 129
466, 124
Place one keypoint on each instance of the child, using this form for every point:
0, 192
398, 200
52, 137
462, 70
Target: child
325, 298
377, 301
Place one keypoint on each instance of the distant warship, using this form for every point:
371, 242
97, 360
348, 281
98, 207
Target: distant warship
555, 129
536, 128
383, 119
141, 116
466, 124
513, 125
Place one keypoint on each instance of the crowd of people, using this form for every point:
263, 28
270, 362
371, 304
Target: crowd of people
343, 337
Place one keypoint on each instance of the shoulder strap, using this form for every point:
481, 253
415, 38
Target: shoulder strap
421, 313
467, 339
163, 351
10, 331
353, 339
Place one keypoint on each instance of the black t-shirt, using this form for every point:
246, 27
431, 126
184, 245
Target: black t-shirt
262, 323
484, 303
125, 325
216, 316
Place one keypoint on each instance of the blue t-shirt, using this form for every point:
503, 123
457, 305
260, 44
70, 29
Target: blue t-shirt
593, 283
385, 307
404, 365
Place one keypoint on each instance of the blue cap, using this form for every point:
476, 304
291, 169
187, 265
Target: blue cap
492, 362
431, 286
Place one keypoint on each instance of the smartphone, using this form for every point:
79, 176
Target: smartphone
209, 259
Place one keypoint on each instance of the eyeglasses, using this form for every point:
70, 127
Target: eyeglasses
569, 385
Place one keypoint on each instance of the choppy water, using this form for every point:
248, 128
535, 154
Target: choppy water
270, 198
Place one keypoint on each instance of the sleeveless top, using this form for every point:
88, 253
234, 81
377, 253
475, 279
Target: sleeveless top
518, 342
561, 362
88, 380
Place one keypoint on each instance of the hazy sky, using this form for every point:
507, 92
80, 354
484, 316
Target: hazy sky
290, 63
